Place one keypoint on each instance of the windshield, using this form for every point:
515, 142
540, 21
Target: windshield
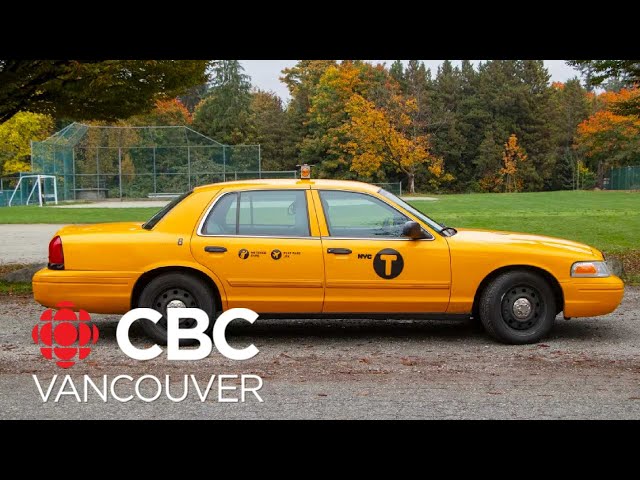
166, 209
432, 223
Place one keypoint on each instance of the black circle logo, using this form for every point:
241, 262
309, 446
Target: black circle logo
388, 263
243, 253
276, 254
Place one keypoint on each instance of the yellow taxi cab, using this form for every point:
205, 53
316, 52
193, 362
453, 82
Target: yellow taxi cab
307, 248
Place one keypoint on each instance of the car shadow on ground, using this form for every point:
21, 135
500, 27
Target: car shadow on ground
438, 330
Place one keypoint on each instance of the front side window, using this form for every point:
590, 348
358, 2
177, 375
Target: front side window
269, 213
352, 214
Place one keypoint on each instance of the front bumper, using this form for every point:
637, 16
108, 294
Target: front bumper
589, 297
96, 292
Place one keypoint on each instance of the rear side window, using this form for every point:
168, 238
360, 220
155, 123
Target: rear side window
149, 224
264, 213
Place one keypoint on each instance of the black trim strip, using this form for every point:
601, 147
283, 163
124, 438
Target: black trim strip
369, 316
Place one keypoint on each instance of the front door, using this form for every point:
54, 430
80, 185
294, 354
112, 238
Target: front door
262, 246
370, 266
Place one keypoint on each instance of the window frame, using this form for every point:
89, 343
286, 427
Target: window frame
430, 237
200, 233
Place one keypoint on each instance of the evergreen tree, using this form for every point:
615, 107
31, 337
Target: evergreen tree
270, 129
444, 128
572, 106
397, 73
224, 112
536, 126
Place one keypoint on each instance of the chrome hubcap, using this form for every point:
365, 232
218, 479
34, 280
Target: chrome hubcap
176, 304
521, 308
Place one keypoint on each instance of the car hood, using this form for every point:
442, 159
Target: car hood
115, 227
514, 239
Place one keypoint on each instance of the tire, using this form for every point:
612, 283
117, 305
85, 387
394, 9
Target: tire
187, 289
518, 307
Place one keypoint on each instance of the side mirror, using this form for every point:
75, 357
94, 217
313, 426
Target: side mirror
413, 230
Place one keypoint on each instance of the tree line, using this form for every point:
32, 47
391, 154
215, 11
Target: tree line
500, 125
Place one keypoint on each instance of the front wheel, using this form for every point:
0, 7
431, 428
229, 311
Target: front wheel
175, 290
518, 307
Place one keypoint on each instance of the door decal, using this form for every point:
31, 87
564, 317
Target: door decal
388, 263
276, 254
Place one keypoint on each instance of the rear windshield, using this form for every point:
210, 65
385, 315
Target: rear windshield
166, 209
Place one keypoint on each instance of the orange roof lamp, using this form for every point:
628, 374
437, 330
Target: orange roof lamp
305, 171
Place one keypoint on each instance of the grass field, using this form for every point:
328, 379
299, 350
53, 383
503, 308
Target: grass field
73, 215
609, 221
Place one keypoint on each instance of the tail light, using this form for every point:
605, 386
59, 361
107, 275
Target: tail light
56, 255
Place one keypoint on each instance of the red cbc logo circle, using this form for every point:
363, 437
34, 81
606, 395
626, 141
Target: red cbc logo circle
65, 335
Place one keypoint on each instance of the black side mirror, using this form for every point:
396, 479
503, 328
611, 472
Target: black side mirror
413, 230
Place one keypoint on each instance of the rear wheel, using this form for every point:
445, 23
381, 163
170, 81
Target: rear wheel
518, 307
174, 290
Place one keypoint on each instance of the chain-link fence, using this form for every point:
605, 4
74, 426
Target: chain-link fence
623, 178
94, 162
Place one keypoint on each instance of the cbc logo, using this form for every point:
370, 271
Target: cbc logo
65, 335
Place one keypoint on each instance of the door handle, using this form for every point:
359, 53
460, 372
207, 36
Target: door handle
210, 249
339, 251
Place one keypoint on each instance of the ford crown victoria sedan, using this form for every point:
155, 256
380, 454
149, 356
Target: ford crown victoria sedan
323, 248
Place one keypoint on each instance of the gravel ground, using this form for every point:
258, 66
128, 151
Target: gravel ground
587, 368
26, 243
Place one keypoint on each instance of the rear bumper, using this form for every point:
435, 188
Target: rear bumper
589, 297
96, 292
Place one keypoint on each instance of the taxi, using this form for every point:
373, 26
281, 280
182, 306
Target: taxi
323, 248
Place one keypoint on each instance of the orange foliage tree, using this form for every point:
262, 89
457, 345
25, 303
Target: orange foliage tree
608, 138
512, 158
165, 112
376, 136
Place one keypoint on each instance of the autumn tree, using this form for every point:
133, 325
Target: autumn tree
613, 75
377, 136
513, 158
327, 113
608, 139
165, 112
93, 89
15, 140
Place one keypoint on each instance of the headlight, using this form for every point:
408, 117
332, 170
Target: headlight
590, 269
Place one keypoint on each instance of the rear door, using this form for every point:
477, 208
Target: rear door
265, 250
370, 266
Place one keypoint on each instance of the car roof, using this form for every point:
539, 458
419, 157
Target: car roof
276, 183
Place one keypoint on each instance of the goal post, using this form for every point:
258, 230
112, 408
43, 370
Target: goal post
38, 188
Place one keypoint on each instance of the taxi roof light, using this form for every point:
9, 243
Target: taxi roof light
305, 171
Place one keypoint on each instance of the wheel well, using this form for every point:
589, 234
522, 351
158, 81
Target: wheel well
146, 277
553, 283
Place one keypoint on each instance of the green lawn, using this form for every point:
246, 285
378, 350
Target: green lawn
609, 221
73, 215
